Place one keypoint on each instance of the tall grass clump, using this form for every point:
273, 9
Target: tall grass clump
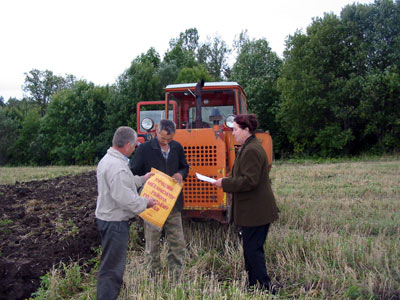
338, 237
66, 282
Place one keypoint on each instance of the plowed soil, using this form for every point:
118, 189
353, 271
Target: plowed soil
43, 223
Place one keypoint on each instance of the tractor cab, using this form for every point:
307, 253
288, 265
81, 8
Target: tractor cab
216, 104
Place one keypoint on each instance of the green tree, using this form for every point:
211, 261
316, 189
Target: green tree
8, 135
214, 56
140, 82
374, 33
336, 75
17, 109
73, 127
19, 112
311, 62
188, 40
379, 110
28, 149
180, 56
194, 74
257, 69
240, 40
168, 73
187, 59
40, 85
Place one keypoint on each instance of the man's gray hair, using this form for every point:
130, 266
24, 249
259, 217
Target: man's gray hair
124, 135
167, 125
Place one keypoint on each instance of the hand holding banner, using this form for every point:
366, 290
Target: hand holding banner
165, 190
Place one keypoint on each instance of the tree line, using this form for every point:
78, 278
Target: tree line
335, 92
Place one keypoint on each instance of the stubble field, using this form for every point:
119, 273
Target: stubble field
338, 237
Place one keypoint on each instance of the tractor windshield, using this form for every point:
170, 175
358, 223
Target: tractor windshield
216, 106
208, 112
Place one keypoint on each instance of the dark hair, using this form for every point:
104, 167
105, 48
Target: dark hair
167, 125
247, 121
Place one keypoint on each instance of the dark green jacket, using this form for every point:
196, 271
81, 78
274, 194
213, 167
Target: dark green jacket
253, 200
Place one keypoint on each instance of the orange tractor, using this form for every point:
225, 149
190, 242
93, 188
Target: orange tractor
203, 114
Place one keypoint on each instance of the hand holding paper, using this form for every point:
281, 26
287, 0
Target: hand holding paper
205, 178
218, 182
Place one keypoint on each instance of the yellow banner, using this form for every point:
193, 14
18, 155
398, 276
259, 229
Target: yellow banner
165, 190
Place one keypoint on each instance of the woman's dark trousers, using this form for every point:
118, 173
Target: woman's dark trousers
254, 256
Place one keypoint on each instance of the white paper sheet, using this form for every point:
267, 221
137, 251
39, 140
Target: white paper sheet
205, 178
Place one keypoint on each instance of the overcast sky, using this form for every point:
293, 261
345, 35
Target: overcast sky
96, 40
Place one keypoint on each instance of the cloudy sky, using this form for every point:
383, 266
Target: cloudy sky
96, 40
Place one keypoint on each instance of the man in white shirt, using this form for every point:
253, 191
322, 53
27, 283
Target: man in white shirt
117, 202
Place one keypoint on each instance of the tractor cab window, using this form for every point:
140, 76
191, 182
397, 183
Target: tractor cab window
211, 114
155, 115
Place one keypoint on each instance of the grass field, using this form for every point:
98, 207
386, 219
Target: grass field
338, 237
10, 175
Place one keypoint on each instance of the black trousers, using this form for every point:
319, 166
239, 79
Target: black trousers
254, 256
114, 242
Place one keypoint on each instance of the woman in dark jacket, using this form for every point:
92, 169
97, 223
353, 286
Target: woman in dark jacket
254, 207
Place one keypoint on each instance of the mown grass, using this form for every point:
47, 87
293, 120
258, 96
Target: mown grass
10, 175
338, 237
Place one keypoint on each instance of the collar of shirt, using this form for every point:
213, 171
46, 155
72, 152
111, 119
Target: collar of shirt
165, 153
126, 158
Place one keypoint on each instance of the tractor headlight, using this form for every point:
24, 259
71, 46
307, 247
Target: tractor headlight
147, 124
229, 121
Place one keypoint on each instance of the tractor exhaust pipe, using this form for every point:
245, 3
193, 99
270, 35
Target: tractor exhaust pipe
198, 92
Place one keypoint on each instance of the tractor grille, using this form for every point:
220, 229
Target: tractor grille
201, 155
199, 193
206, 154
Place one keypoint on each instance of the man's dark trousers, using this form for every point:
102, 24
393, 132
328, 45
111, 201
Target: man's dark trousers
254, 256
114, 242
